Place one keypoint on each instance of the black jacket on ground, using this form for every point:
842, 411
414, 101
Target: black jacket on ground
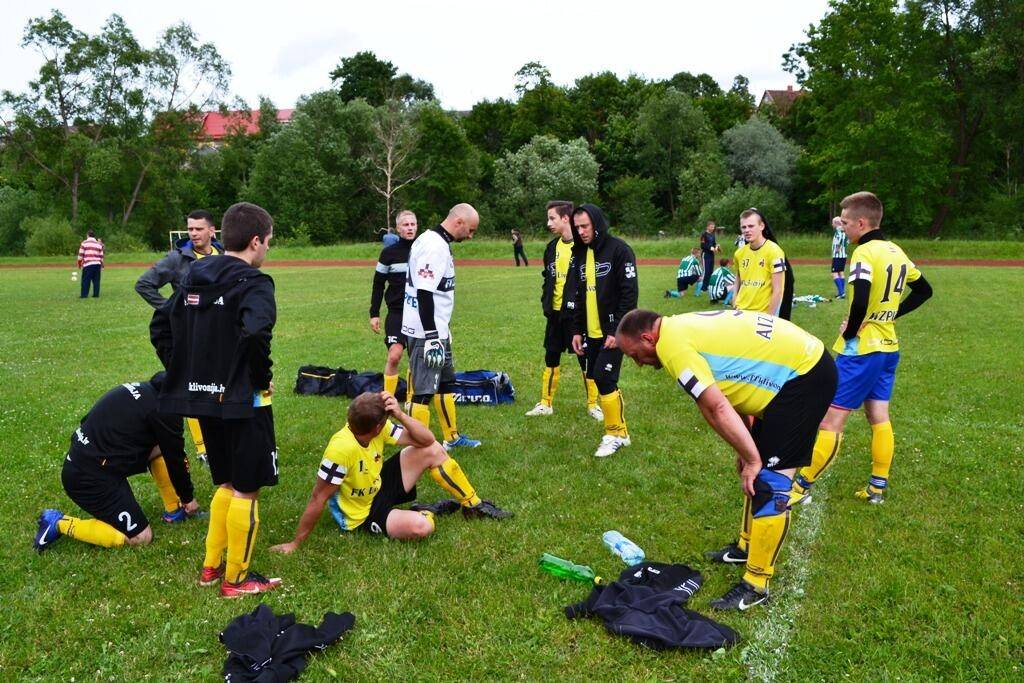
547, 289
617, 288
646, 605
213, 336
121, 429
168, 270
392, 266
267, 648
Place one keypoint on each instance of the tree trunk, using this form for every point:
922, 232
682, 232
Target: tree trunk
73, 186
135, 196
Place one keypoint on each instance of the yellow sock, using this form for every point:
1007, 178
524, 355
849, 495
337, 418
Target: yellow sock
444, 406
158, 468
391, 384
451, 478
592, 394
883, 445
766, 537
421, 413
549, 384
217, 531
91, 531
826, 447
744, 542
197, 434
613, 408
243, 523
430, 517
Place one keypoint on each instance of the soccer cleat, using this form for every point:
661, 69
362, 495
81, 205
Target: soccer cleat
610, 444
540, 409
445, 506
871, 495
48, 531
178, 515
730, 554
595, 412
485, 508
252, 583
211, 575
742, 596
462, 442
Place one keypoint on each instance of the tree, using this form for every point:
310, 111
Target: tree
630, 205
488, 125
703, 179
452, 166
377, 81
758, 154
725, 209
395, 137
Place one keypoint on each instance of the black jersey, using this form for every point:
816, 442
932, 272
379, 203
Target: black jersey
392, 265
121, 429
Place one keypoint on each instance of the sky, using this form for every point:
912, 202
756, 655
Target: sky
469, 51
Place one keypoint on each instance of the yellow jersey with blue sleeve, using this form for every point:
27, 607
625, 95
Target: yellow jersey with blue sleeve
754, 269
563, 256
355, 469
748, 355
888, 270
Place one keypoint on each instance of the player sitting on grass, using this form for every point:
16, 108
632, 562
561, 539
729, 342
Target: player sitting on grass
123, 434
690, 272
363, 490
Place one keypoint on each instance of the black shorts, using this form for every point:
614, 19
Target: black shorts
603, 364
557, 334
393, 329
242, 452
104, 495
392, 494
785, 433
838, 265
683, 282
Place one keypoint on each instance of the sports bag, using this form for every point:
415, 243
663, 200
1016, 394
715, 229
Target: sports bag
483, 387
372, 381
319, 380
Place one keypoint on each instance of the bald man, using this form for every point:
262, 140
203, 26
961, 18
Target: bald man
429, 302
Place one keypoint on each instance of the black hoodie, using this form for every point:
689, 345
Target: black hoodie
617, 287
213, 336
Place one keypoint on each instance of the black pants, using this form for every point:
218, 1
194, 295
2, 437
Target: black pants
709, 265
517, 251
91, 275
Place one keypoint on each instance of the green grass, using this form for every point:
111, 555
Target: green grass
796, 245
925, 587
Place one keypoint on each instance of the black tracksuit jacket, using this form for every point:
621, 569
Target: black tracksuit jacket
617, 287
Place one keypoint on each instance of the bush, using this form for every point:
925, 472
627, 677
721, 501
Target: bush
49, 236
16, 205
630, 206
297, 236
122, 241
726, 209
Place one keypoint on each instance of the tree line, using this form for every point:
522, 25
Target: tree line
918, 101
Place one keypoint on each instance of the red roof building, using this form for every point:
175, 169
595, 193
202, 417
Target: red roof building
781, 100
217, 126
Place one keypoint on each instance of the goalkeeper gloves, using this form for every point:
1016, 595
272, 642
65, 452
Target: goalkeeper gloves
433, 353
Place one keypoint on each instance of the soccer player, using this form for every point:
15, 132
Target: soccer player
123, 434
839, 242
391, 271
227, 306
708, 248
363, 491
557, 298
689, 272
607, 272
200, 243
737, 365
761, 281
426, 316
868, 348
720, 287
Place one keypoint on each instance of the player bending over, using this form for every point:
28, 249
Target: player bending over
690, 272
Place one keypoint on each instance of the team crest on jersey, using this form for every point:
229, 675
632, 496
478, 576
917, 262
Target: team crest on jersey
192, 300
630, 271
426, 272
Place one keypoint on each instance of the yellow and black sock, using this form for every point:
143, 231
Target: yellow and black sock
444, 406
158, 468
197, 435
883, 447
243, 523
744, 542
613, 409
549, 384
592, 394
767, 533
421, 413
826, 447
391, 384
217, 531
430, 518
451, 478
91, 531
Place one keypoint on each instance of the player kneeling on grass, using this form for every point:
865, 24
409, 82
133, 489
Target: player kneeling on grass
123, 434
736, 364
363, 490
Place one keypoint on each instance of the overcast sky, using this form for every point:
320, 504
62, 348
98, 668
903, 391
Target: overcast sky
469, 51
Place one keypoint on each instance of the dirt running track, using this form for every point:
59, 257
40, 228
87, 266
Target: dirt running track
368, 263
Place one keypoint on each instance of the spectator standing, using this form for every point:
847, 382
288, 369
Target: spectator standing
90, 260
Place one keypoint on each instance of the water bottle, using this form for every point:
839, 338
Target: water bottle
630, 552
564, 569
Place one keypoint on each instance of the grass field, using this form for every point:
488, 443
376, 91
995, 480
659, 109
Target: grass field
925, 587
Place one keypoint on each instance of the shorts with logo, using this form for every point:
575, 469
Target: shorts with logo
392, 494
106, 496
427, 380
838, 265
870, 377
242, 452
393, 329
603, 364
785, 432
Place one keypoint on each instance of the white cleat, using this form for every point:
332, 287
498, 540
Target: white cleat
540, 409
610, 444
596, 413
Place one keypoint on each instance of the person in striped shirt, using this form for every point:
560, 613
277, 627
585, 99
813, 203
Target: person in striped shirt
690, 272
839, 242
90, 260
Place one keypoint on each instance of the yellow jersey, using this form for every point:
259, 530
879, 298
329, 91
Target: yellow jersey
214, 251
888, 269
563, 254
748, 355
754, 269
594, 330
355, 469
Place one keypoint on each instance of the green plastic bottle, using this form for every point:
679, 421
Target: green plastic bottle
564, 569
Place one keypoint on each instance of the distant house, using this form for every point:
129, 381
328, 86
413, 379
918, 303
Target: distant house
781, 100
217, 126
